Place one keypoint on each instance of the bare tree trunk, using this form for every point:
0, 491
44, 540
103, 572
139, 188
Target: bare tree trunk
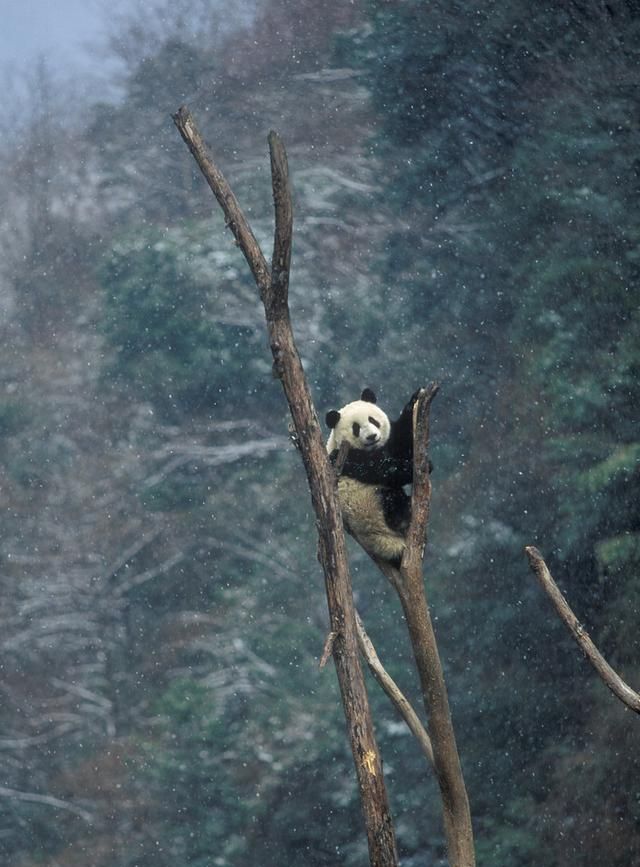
409, 584
273, 285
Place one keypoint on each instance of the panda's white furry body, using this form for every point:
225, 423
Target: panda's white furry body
375, 508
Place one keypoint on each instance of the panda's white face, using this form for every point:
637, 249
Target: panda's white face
361, 423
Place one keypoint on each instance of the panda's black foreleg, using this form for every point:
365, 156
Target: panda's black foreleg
400, 444
396, 507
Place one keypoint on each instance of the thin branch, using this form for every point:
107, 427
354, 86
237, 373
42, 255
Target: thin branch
132, 551
149, 574
613, 680
393, 691
21, 743
214, 456
47, 800
328, 649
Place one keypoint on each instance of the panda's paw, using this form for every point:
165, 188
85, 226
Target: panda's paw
412, 401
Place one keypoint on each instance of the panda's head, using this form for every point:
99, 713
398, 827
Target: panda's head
361, 423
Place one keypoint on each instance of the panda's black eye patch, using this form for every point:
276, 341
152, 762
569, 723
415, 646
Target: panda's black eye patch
356, 429
374, 422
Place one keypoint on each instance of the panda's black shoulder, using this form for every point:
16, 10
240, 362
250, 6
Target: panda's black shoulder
356, 466
375, 468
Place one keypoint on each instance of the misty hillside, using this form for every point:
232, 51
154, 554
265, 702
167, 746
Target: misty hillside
467, 210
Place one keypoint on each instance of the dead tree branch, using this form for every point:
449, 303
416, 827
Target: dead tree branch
395, 694
273, 287
48, 800
615, 683
409, 584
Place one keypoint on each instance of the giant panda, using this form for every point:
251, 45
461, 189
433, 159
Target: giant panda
375, 508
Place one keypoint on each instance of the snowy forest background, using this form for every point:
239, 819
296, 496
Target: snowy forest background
466, 181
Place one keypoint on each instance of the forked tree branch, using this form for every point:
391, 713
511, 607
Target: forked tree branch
612, 679
273, 286
234, 217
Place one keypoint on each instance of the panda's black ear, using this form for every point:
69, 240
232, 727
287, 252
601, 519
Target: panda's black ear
368, 395
332, 418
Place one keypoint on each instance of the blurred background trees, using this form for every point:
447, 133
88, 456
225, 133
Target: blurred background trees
466, 184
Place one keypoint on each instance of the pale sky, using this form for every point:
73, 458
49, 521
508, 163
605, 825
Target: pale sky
58, 29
